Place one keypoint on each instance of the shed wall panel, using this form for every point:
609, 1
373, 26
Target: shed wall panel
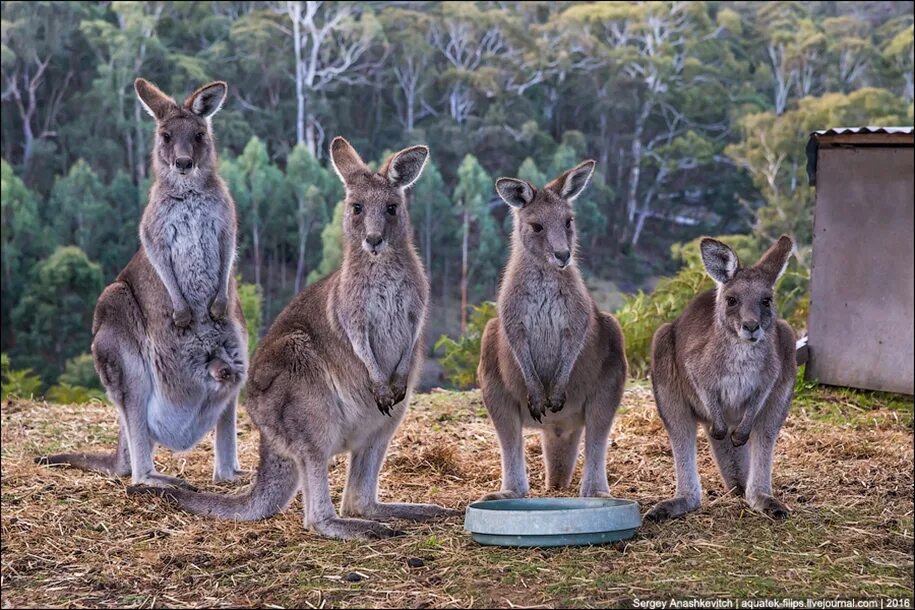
861, 294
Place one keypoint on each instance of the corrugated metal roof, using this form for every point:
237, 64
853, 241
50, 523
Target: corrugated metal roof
870, 129
813, 141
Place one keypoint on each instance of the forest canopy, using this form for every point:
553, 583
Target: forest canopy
696, 113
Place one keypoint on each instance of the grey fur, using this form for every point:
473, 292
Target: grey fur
551, 360
335, 371
727, 362
169, 335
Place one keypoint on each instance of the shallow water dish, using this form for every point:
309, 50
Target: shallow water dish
552, 521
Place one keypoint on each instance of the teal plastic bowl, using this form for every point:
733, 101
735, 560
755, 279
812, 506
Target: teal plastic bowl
532, 522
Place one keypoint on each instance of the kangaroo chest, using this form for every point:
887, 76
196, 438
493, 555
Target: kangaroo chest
393, 309
552, 320
191, 227
741, 377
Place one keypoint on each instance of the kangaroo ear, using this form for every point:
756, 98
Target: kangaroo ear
207, 100
402, 169
570, 184
156, 103
345, 159
774, 262
719, 259
515, 192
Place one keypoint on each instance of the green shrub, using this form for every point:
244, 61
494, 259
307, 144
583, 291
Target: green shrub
642, 314
68, 394
80, 371
20, 384
252, 299
462, 356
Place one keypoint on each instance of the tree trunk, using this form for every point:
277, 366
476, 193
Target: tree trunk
636, 169
465, 241
256, 244
428, 237
141, 142
304, 229
310, 141
295, 13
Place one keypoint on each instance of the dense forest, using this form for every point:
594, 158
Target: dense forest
696, 112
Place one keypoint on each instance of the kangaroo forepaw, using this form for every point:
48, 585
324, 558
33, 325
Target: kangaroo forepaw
718, 431
671, 509
739, 438
218, 308
399, 390
182, 317
220, 371
384, 397
536, 408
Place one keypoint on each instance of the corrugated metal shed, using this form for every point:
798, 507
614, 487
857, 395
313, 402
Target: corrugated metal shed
854, 136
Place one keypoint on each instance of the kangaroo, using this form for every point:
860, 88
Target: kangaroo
550, 348
728, 363
335, 371
169, 336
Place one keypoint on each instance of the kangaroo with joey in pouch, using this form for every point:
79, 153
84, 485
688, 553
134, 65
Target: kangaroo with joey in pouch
334, 372
169, 336
550, 360
728, 363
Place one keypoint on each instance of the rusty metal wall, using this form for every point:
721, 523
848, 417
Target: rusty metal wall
861, 292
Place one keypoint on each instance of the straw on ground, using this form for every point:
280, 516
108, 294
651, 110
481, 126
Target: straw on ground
844, 465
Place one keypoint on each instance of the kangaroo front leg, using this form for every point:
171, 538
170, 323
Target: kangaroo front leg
320, 515
521, 349
220, 302
401, 376
226, 467
717, 426
570, 348
360, 498
358, 336
159, 258
754, 405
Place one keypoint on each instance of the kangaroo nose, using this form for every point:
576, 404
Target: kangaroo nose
751, 327
373, 239
184, 163
562, 257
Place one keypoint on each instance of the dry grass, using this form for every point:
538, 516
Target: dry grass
75, 539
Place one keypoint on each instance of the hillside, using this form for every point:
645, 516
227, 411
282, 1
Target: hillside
844, 465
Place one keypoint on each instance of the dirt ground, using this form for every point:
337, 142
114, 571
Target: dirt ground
844, 464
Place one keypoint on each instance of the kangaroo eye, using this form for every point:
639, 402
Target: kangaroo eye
199, 136
166, 137
767, 302
357, 208
569, 223
731, 301
392, 209
536, 227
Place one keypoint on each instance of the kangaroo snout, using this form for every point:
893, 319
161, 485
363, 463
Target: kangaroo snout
183, 164
373, 242
750, 331
563, 257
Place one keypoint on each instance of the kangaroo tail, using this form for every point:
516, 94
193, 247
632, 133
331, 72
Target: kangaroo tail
116, 463
274, 486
